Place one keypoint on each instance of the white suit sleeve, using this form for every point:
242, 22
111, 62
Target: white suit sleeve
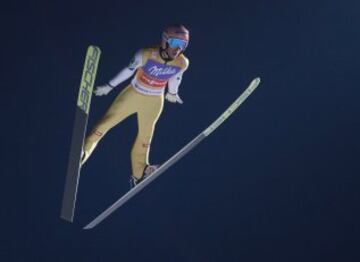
174, 83
128, 71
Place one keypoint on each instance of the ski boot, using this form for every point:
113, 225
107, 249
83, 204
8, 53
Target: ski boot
148, 170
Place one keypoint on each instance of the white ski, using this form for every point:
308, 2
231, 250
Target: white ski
252, 86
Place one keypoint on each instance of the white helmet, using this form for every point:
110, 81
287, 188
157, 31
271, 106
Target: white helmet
175, 36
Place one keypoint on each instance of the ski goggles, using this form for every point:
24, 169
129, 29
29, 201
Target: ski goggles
177, 43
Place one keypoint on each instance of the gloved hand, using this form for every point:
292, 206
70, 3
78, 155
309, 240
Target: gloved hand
173, 98
103, 90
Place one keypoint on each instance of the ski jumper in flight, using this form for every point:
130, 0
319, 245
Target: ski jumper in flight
155, 69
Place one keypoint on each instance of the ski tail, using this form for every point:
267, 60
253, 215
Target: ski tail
79, 130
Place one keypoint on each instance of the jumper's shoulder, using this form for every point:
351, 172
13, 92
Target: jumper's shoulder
183, 61
149, 52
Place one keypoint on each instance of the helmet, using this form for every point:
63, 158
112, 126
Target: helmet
175, 32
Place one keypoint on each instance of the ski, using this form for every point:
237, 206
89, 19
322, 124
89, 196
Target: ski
186, 149
79, 130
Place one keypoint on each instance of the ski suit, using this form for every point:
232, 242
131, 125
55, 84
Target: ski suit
144, 96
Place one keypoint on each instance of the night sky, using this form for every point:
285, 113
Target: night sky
278, 181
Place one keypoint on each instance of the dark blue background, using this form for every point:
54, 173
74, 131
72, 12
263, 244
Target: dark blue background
277, 182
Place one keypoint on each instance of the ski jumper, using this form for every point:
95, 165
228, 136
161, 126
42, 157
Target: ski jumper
144, 96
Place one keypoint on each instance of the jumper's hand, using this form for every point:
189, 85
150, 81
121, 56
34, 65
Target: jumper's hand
173, 98
102, 90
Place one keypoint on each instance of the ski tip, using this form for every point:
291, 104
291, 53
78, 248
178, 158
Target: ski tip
94, 47
257, 80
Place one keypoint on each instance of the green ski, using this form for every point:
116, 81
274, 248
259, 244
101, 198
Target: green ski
80, 124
